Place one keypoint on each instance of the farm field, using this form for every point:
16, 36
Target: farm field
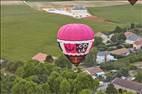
26, 31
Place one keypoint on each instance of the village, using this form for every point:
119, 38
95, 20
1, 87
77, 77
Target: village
122, 78
114, 62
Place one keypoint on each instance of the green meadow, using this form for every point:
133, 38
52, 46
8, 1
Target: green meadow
123, 14
26, 31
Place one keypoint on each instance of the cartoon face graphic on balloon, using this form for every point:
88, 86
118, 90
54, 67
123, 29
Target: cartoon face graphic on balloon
76, 48
81, 48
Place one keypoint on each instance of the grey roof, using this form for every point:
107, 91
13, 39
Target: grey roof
133, 37
102, 53
128, 84
78, 7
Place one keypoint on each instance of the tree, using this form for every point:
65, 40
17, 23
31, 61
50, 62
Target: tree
13, 66
26, 70
127, 93
39, 79
49, 58
85, 91
63, 62
132, 26
65, 87
111, 89
118, 38
6, 82
22, 86
98, 41
100, 92
46, 88
118, 29
54, 81
139, 77
68, 74
90, 59
84, 81
124, 72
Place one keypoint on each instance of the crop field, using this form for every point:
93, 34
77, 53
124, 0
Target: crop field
26, 31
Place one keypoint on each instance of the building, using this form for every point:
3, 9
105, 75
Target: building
120, 52
79, 11
95, 72
131, 37
103, 36
137, 44
41, 57
104, 56
76, 11
131, 86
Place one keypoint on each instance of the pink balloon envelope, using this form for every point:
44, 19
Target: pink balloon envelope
75, 40
75, 32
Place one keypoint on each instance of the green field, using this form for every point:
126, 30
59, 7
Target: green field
120, 14
26, 31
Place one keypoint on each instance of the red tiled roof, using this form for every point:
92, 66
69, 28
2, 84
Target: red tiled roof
138, 42
120, 51
128, 84
94, 70
41, 57
128, 34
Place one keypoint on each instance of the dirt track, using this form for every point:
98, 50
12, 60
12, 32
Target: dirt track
69, 3
12, 2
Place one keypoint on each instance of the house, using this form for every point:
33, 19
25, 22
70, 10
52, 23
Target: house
77, 11
41, 57
103, 36
131, 86
120, 52
137, 44
80, 11
95, 72
131, 37
104, 56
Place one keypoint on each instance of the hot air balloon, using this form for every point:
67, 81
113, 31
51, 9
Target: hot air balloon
75, 41
132, 2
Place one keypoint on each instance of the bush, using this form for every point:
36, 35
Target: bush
12, 66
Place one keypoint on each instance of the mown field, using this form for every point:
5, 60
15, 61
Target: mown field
26, 31
123, 14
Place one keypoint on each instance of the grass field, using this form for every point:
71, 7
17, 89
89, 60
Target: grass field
120, 14
26, 31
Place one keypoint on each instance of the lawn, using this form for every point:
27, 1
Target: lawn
122, 14
26, 31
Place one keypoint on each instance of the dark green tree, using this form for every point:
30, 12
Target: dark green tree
132, 26
86, 91
46, 88
49, 58
98, 41
63, 62
54, 81
12, 66
6, 82
22, 86
65, 87
84, 81
90, 59
100, 92
111, 89
139, 77
26, 70
123, 72
118, 30
118, 38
